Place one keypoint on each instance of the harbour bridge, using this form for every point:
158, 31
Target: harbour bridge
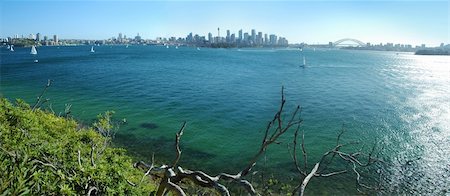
354, 41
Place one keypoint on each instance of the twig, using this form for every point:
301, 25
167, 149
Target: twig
92, 155
42, 94
93, 188
79, 159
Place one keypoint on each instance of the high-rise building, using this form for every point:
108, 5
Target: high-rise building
55, 39
45, 38
266, 40
253, 38
233, 38
120, 37
210, 38
259, 38
38, 37
228, 36
246, 37
240, 35
273, 39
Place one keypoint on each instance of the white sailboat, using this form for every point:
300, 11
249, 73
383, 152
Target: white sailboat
198, 48
126, 46
176, 47
304, 61
34, 52
11, 49
8, 47
92, 49
167, 46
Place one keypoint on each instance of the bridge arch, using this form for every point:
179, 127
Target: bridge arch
360, 43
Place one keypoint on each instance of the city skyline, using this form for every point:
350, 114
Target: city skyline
310, 22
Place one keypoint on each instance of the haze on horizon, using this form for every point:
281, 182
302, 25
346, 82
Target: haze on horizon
407, 22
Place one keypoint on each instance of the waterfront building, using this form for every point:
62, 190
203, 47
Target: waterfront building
38, 37
138, 38
228, 38
210, 38
55, 39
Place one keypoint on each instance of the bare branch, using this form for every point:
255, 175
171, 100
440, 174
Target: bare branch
79, 159
177, 144
92, 155
92, 189
39, 98
307, 178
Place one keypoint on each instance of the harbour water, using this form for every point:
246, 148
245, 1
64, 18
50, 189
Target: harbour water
400, 102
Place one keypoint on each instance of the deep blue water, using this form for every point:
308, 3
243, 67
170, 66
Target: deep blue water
401, 102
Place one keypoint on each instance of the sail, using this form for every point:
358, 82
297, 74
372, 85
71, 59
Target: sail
92, 49
12, 49
33, 50
304, 61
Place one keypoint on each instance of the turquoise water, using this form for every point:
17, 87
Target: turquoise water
401, 102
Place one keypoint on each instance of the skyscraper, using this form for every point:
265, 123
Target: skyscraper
55, 39
228, 36
240, 35
38, 37
253, 38
259, 39
266, 40
210, 38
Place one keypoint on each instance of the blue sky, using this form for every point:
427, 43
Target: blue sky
413, 22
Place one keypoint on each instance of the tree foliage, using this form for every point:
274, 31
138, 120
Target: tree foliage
42, 154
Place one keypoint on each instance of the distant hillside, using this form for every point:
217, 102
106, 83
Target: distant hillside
434, 51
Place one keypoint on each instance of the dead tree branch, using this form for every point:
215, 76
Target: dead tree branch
351, 158
172, 175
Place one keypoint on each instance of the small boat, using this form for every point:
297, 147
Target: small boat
167, 46
8, 47
126, 46
36, 61
198, 48
92, 49
304, 61
301, 49
176, 47
11, 49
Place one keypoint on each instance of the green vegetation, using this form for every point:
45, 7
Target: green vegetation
43, 154
22, 42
